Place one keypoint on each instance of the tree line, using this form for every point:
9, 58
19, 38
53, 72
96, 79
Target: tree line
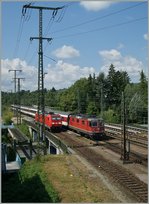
100, 95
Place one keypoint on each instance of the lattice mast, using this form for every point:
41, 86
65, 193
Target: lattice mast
41, 97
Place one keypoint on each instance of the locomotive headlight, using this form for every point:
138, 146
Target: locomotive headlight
53, 123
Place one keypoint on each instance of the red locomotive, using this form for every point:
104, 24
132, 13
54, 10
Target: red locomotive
52, 121
86, 125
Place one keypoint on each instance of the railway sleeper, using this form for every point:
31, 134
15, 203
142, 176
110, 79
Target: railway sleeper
130, 183
138, 189
138, 193
141, 196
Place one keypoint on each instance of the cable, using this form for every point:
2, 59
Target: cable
27, 50
99, 18
21, 24
50, 58
19, 36
102, 28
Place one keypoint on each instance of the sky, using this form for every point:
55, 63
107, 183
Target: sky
86, 37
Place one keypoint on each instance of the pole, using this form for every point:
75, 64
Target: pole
15, 76
15, 70
124, 127
101, 103
79, 108
19, 102
41, 99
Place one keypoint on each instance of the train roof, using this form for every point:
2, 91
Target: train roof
86, 116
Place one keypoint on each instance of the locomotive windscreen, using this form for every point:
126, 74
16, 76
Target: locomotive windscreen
56, 117
95, 123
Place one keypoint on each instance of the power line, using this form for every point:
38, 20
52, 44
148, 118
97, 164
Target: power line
50, 58
19, 36
99, 18
102, 28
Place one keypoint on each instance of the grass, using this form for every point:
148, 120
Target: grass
29, 185
74, 182
56, 178
24, 129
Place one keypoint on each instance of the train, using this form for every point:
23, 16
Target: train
86, 125
52, 121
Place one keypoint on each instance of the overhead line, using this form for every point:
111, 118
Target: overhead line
99, 18
19, 35
103, 28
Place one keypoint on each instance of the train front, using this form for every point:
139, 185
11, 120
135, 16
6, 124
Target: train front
56, 122
97, 128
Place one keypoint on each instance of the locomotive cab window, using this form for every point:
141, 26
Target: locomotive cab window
93, 123
56, 118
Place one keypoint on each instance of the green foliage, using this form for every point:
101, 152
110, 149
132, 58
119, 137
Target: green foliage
110, 116
24, 129
29, 185
91, 108
115, 85
137, 101
7, 116
95, 95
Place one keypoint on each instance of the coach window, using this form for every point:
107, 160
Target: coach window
77, 120
83, 122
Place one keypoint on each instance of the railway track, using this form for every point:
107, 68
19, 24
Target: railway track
134, 139
132, 185
133, 156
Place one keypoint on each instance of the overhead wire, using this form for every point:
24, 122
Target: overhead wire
20, 30
102, 28
50, 23
19, 36
99, 18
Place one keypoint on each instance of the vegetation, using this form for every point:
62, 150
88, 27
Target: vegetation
7, 116
30, 184
24, 129
100, 95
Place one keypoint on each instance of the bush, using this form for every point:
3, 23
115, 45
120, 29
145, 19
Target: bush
110, 116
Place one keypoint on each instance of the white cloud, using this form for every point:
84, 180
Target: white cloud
129, 64
145, 36
95, 5
28, 72
66, 52
110, 54
61, 75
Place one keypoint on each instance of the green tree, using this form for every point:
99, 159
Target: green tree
91, 108
115, 84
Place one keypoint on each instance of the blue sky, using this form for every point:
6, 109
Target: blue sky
87, 37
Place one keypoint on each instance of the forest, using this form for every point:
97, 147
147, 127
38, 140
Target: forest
100, 95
